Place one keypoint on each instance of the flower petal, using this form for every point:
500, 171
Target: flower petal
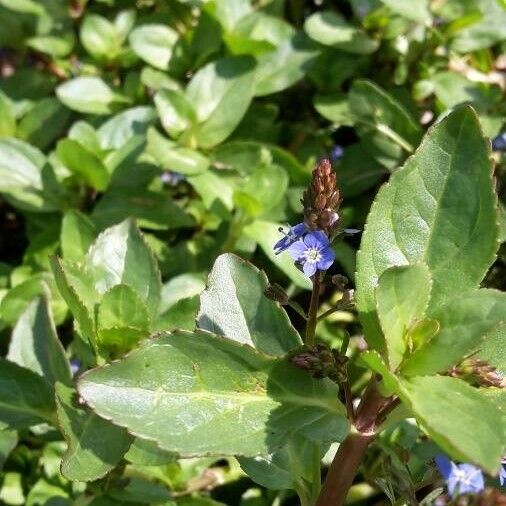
327, 259
316, 239
297, 249
309, 268
444, 465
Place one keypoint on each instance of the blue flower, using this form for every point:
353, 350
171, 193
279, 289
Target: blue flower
502, 472
461, 478
336, 152
293, 234
499, 142
313, 252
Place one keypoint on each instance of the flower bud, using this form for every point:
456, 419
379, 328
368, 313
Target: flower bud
321, 199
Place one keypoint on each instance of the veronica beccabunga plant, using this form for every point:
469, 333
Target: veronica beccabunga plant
246, 382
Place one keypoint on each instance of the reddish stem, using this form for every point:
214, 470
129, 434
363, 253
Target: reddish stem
351, 451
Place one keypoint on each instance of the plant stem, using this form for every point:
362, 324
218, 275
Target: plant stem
313, 310
351, 451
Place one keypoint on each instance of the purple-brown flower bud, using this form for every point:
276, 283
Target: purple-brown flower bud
478, 372
321, 199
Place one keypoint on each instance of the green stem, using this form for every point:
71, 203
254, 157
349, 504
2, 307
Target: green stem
313, 310
403, 143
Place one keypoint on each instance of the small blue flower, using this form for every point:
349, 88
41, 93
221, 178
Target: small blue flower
460, 478
499, 142
336, 152
293, 234
75, 366
313, 252
502, 472
172, 178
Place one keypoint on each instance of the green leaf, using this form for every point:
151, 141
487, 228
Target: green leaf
90, 95
262, 190
492, 349
199, 394
176, 112
402, 296
86, 135
417, 10
44, 122
35, 345
115, 132
120, 256
438, 209
147, 453
95, 446
122, 320
234, 305
100, 37
331, 29
7, 117
266, 234
458, 418
25, 176
489, 30
71, 286
56, 46
286, 469
464, 323
173, 157
282, 68
382, 119
84, 163
221, 93
154, 44
77, 234
8, 441
25, 398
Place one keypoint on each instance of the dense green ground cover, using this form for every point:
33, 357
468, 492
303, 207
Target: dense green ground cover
189, 129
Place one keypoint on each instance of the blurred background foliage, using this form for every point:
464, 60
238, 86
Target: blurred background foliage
203, 120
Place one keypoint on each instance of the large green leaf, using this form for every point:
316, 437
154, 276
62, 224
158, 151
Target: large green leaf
465, 322
25, 398
95, 446
120, 255
196, 393
234, 305
221, 93
458, 418
440, 209
34, 344
402, 296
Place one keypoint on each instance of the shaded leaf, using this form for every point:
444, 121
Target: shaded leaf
234, 305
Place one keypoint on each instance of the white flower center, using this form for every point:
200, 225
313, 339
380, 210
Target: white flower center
312, 255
